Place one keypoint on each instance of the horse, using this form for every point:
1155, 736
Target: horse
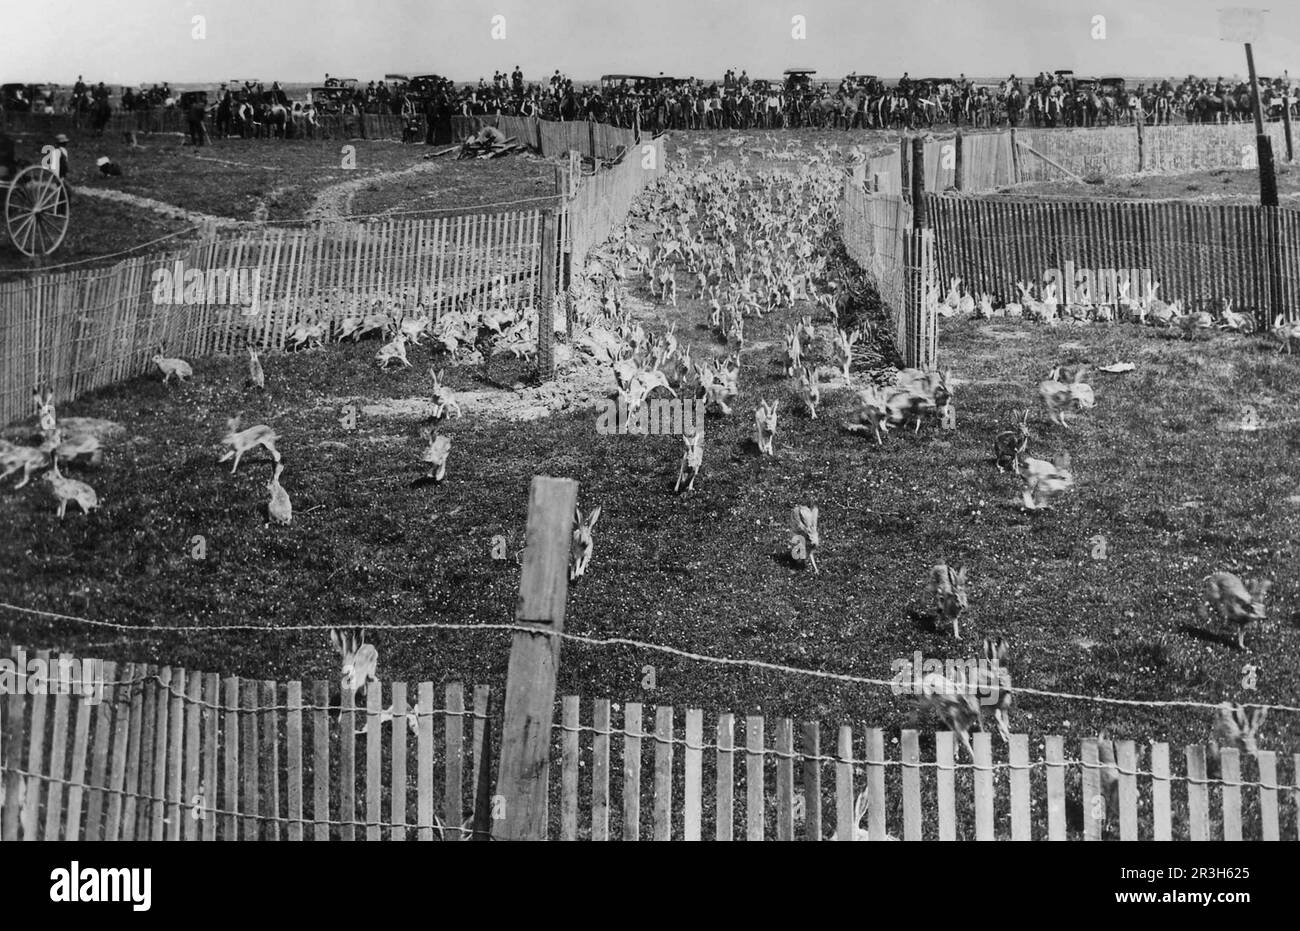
100, 112
272, 119
1208, 108
303, 117
1013, 103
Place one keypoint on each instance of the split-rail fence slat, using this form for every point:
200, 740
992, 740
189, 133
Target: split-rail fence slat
170, 754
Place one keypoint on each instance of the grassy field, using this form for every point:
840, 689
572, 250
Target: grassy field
263, 180
1163, 471
1221, 185
1177, 492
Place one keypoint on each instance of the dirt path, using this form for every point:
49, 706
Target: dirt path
335, 202
162, 208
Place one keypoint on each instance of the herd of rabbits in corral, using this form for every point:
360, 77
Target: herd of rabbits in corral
73, 440
1143, 309
731, 249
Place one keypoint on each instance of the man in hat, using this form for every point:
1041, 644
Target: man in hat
59, 157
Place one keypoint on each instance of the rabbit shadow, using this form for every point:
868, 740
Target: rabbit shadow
925, 620
785, 559
1206, 635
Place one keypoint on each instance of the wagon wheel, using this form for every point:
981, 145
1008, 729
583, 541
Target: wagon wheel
36, 211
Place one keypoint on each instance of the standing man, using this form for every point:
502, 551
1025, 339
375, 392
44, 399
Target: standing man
194, 116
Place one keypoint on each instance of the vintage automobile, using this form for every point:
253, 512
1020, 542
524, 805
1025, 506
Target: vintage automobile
25, 97
330, 99
799, 80
942, 85
1111, 87
638, 83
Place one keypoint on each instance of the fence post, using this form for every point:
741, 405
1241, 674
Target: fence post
957, 167
546, 300
1286, 125
522, 778
904, 173
1015, 158
914, 294
1142, 161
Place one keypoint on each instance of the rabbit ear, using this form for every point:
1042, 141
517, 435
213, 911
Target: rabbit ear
961, 574
593, 516
860, 805
772, 409
336, 640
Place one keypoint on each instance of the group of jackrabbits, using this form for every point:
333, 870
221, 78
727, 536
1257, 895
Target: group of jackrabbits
68, 440
1236, 603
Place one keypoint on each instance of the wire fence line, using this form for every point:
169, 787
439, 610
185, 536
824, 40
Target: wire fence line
163, 758
569, 636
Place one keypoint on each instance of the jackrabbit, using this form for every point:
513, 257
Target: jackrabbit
68, 489
1010, 444
241, 441
948, 587
765, 426
583, 544
360, 660
692, 459
804, 536
279, 507
1235, 602
256, 377
178, 368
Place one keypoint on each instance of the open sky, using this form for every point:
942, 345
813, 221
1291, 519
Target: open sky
133, 41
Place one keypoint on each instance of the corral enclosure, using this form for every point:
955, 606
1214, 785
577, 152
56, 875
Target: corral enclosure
1026, 794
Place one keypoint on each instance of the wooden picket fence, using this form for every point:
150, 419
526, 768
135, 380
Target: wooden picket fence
1197, 252
169, 754
994, 160
557, 137
601, 201
550, 137
82, 330
877, 233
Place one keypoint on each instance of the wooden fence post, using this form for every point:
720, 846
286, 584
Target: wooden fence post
904, 173
957, 167
1142, 161
914, 303
546, 300
534, 659
1015, 158
1286, 124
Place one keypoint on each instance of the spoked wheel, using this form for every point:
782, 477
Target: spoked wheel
37, 211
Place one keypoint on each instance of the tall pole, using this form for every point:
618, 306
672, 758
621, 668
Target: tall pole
1264, 145
1267, 195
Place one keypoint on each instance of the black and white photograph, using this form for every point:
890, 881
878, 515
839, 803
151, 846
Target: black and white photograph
697, 420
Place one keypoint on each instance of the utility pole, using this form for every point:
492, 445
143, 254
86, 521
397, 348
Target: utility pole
1245, 24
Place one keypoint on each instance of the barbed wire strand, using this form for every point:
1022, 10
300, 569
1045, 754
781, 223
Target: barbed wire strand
848, 678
